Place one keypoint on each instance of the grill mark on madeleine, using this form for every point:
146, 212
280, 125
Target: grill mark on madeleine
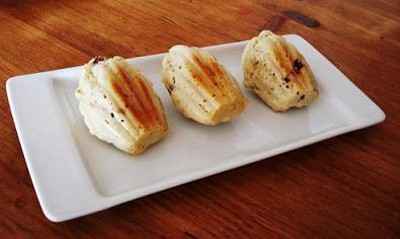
283, 58
130, 91
297, 65
152, 107
203, 81
198, 77
212, 70
144, 116
220, 74
287, 61
206, 69
138, 91
129, 102
203, 74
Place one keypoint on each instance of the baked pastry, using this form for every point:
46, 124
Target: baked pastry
201, 88
119, 105
276, 71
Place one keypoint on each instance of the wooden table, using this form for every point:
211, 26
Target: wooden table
345, 187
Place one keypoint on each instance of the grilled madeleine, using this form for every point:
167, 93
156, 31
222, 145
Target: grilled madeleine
120, 106
200, 87
278, 73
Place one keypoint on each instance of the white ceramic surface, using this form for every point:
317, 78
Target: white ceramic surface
75, 174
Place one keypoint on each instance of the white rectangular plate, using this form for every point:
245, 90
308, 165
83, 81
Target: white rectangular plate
75, 174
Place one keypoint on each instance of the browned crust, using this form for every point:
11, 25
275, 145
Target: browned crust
144, 109
205, 76
210, 76
286, 61
211, 70
130, 101
283, 57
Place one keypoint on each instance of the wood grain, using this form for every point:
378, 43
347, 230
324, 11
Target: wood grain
345, 187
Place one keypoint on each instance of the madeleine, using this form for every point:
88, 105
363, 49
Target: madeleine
201, 88
276, 72
119, 105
